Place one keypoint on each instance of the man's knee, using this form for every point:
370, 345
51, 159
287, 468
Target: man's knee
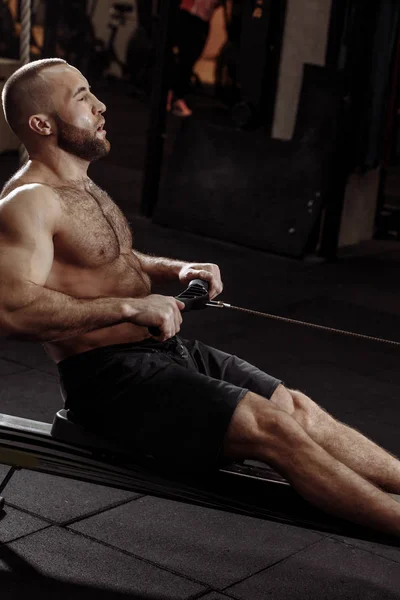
296, 404
259, 429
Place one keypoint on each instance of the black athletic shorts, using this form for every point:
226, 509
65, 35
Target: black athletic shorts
172, 400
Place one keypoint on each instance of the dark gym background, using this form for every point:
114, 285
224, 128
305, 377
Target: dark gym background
287, 175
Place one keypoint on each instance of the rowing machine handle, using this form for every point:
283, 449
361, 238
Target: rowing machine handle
195, 297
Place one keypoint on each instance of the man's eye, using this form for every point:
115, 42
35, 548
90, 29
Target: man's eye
83, 98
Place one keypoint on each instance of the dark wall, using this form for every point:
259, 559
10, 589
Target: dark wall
247, 188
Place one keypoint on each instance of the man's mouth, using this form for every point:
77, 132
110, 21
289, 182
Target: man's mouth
100, 127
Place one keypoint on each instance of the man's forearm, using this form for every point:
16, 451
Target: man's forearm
45, 315
159, 268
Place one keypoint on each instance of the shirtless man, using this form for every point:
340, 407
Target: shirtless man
70, 279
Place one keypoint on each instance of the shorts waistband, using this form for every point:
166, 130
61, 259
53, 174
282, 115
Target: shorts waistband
74, 361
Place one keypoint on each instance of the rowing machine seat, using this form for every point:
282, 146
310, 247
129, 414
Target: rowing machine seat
65, 429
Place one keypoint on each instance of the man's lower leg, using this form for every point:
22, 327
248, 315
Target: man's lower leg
354, 450
329, 484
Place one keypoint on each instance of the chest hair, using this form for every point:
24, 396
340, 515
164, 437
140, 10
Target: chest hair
94, 225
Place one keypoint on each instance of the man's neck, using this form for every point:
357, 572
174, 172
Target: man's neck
59, 166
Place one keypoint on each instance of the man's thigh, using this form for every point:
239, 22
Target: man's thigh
174, 413
232, 369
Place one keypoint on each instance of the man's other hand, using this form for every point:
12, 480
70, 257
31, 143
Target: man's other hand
162, 312
206, 271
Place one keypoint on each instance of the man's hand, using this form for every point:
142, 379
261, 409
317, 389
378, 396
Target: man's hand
163, 312
206, 271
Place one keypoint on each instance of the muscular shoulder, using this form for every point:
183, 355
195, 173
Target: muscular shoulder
30, 203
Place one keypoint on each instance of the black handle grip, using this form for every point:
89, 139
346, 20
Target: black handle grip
195, 297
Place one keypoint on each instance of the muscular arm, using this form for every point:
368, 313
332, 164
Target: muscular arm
29, 219
169, 269
159, 268
45, 315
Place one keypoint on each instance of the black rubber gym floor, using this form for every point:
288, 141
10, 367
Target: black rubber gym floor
68, 539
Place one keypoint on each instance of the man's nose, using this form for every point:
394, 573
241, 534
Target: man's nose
99, 107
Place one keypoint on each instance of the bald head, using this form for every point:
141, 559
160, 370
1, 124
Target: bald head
28, 91
49, 105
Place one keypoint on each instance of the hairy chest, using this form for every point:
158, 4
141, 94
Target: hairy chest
93, 232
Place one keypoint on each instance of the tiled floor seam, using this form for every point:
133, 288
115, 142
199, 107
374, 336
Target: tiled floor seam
203, 595
16, 362
99, 511
46, 372
277, 562
145, 560
30, 513
76, 519
26, 535
369, 550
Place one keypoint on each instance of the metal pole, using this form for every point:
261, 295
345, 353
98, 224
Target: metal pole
25, 55
25, 35
157, 131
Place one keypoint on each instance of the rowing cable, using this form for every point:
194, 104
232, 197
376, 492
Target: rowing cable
217, 304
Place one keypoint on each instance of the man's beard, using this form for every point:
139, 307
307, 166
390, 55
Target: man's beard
80, 142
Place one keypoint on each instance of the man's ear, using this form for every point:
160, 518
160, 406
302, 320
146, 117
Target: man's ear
41, 124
